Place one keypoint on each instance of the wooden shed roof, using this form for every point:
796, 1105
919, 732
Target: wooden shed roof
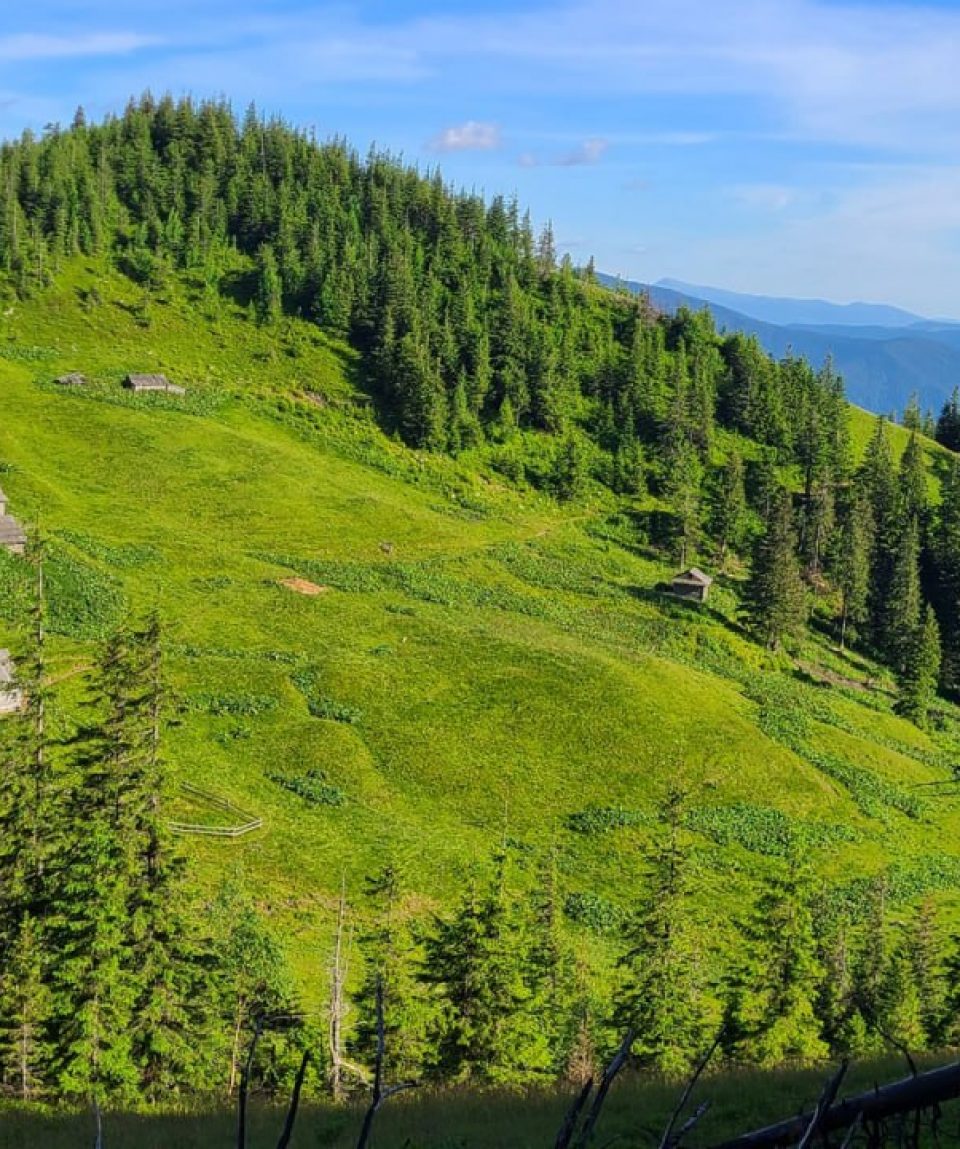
7, 672
694, 576
11, 532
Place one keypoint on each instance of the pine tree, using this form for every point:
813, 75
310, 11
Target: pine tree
476, 963
918, 682
774, 600
778, 1021
728, 507
948, 425
946, 559
879, 483
903, 611
269, 290
663, 992
913, 481
387, 950
850, 564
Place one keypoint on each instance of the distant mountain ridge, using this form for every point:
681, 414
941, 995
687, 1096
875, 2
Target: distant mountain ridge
785, 311
884, 353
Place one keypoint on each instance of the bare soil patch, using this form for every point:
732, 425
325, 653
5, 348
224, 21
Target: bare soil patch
302, 586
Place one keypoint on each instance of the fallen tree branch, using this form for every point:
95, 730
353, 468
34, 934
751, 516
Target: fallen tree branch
570, 1121
668, 1139
920, 1092
827, 1098
245, 1086
294, 1104
609, 1076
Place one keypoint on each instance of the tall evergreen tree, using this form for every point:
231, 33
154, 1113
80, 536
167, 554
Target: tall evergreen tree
774, 600
921, 671
663, 991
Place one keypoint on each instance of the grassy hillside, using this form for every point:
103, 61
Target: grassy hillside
475, 664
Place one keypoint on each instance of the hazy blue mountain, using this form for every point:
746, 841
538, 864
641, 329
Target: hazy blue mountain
882, 365
784, 312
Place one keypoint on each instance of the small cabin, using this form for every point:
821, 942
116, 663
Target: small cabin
11, 696
142, 383
692, 585
72, 379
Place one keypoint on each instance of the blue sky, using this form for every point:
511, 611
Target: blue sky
800, 147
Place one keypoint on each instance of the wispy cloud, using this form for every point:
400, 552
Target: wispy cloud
765, 197
472, 136
587, 152
26, 47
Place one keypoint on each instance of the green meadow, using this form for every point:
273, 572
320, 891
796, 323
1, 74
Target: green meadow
474, 664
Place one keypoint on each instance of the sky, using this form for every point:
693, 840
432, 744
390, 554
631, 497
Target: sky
788, 147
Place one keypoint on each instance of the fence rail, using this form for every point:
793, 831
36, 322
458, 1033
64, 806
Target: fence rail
240, 830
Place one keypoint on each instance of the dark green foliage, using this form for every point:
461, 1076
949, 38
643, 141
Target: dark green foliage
773, 1019
664, 981
948, 425
774, 601
313, 787
921, 671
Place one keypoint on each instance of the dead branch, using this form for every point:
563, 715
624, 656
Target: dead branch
827, 1099
668, 1140
294, 1104
245, 1086
921, 1092
381, 1094
609, 1076
572, 1118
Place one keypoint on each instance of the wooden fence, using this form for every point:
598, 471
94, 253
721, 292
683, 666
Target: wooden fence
240, 830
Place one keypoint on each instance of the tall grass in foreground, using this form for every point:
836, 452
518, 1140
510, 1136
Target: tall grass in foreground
634, 1117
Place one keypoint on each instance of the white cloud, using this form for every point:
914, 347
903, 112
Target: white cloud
24, 48
472, 136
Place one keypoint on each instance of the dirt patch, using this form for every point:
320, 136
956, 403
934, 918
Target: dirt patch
301, 586
821, 674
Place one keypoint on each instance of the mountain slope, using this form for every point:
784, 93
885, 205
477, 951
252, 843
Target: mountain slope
477, 656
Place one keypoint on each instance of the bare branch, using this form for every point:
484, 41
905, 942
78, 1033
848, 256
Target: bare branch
827, 1099
609, 1076
667, 1140
568, 1128
294, 1104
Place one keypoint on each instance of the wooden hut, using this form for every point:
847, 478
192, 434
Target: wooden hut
11, 696
692, 585
13, 537
143, 383
71, 379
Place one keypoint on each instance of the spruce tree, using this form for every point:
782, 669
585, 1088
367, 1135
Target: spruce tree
476, 963
728, 507
777, 1004
662, 994
879, 482
387, 949
913, 481
921, 672
850, 564
902, 612
774, 599
269, 289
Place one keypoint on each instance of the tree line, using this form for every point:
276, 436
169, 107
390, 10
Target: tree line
475, 337
116, 983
